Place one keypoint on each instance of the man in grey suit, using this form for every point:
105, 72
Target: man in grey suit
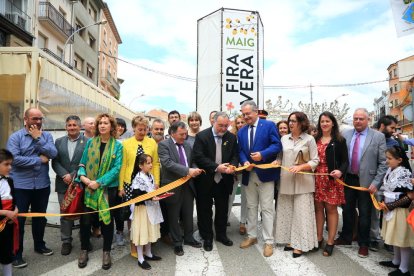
366, 149
70, 149
175, 158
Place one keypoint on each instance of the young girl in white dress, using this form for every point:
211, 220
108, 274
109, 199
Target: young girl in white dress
146, 216
395, 229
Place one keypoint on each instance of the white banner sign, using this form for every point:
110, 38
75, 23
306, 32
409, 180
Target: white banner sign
403, 12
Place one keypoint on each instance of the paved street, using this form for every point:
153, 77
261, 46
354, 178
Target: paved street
221, 261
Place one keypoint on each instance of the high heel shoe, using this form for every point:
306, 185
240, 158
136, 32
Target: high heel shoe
320, 243
328, 250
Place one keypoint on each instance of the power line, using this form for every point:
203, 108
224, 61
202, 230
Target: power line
275, 87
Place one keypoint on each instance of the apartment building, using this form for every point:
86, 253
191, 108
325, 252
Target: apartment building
400, 101
16, 23
108, 54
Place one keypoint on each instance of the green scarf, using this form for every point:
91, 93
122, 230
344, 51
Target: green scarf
95, 199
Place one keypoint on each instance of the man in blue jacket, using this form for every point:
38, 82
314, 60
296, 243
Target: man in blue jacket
259, 143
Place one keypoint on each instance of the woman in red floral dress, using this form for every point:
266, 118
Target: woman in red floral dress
333, 155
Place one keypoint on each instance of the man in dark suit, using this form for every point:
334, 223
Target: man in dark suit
214, 150
70, 149
175, 159
367, 167
259, 143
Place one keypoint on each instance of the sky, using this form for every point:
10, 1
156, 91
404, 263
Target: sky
305, 42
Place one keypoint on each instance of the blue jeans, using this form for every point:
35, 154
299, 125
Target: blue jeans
353, 199
37, 200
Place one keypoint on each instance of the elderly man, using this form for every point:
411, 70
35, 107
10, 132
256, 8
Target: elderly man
367, 168
32, 149
175, 158
259, 143
214, 150
70, 149
89, 127
157, 130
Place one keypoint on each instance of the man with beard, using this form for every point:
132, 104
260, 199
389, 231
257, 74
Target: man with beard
157, 130
32, 148
387, 125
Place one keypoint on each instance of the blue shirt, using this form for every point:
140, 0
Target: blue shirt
390, 142
409, 142
28, 171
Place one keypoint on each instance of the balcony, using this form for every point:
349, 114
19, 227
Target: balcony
54, 20
16, 16
113, 85
58, 58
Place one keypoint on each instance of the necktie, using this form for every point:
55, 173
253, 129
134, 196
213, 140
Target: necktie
251, 139
355, 155
181, 154
217, 176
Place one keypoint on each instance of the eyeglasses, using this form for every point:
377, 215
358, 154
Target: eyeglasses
37, 118
158, 129
293, 121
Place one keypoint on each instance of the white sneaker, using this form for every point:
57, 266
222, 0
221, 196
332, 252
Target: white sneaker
119, 239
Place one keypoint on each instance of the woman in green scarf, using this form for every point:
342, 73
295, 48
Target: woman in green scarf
99, 172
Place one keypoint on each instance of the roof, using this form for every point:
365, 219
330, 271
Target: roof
111, 22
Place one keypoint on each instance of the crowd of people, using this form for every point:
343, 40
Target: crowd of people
295, 198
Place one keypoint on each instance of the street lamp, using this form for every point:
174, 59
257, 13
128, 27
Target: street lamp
76, 31
134, 98
343, 95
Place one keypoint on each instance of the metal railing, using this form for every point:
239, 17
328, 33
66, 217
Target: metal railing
48, 12
16, 16
113, 82
59, 58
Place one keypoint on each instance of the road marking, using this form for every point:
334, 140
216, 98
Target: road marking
371, 263
94, 263
282, 263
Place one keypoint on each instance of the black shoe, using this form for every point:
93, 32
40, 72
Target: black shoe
287, 248
193, 243
373, 246
224, 240
66, 249
144, 265
389, 264
153, 258
178, 250
44, 251
398, 272
296, 255
208, 245
19, 263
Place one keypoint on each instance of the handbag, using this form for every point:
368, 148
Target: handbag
301, 159
124, 212
73, 200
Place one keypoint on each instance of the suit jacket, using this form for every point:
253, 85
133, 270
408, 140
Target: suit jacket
62, 165
204, 157
372, 167
171, 169
267, 142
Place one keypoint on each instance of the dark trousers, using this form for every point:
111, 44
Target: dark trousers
353, 199
181, 208
119, 222
106, 230
204, 202
37, 201
164, 226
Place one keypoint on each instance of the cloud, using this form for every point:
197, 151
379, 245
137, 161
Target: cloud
294, 52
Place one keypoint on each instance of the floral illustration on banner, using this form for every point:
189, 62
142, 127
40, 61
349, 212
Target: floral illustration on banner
240, 27
230, 106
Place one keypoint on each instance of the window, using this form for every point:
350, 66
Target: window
91, 41
395, 88
395, 73
92, 12
41, 41
103, 64
84, 3
396, 103
78, 26
104, 40
89, 71
390, 75
390, 90
59, 52
62, 11
78, 63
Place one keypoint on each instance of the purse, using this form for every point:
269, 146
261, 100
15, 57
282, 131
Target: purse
124, 212
301, 158
73, 200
